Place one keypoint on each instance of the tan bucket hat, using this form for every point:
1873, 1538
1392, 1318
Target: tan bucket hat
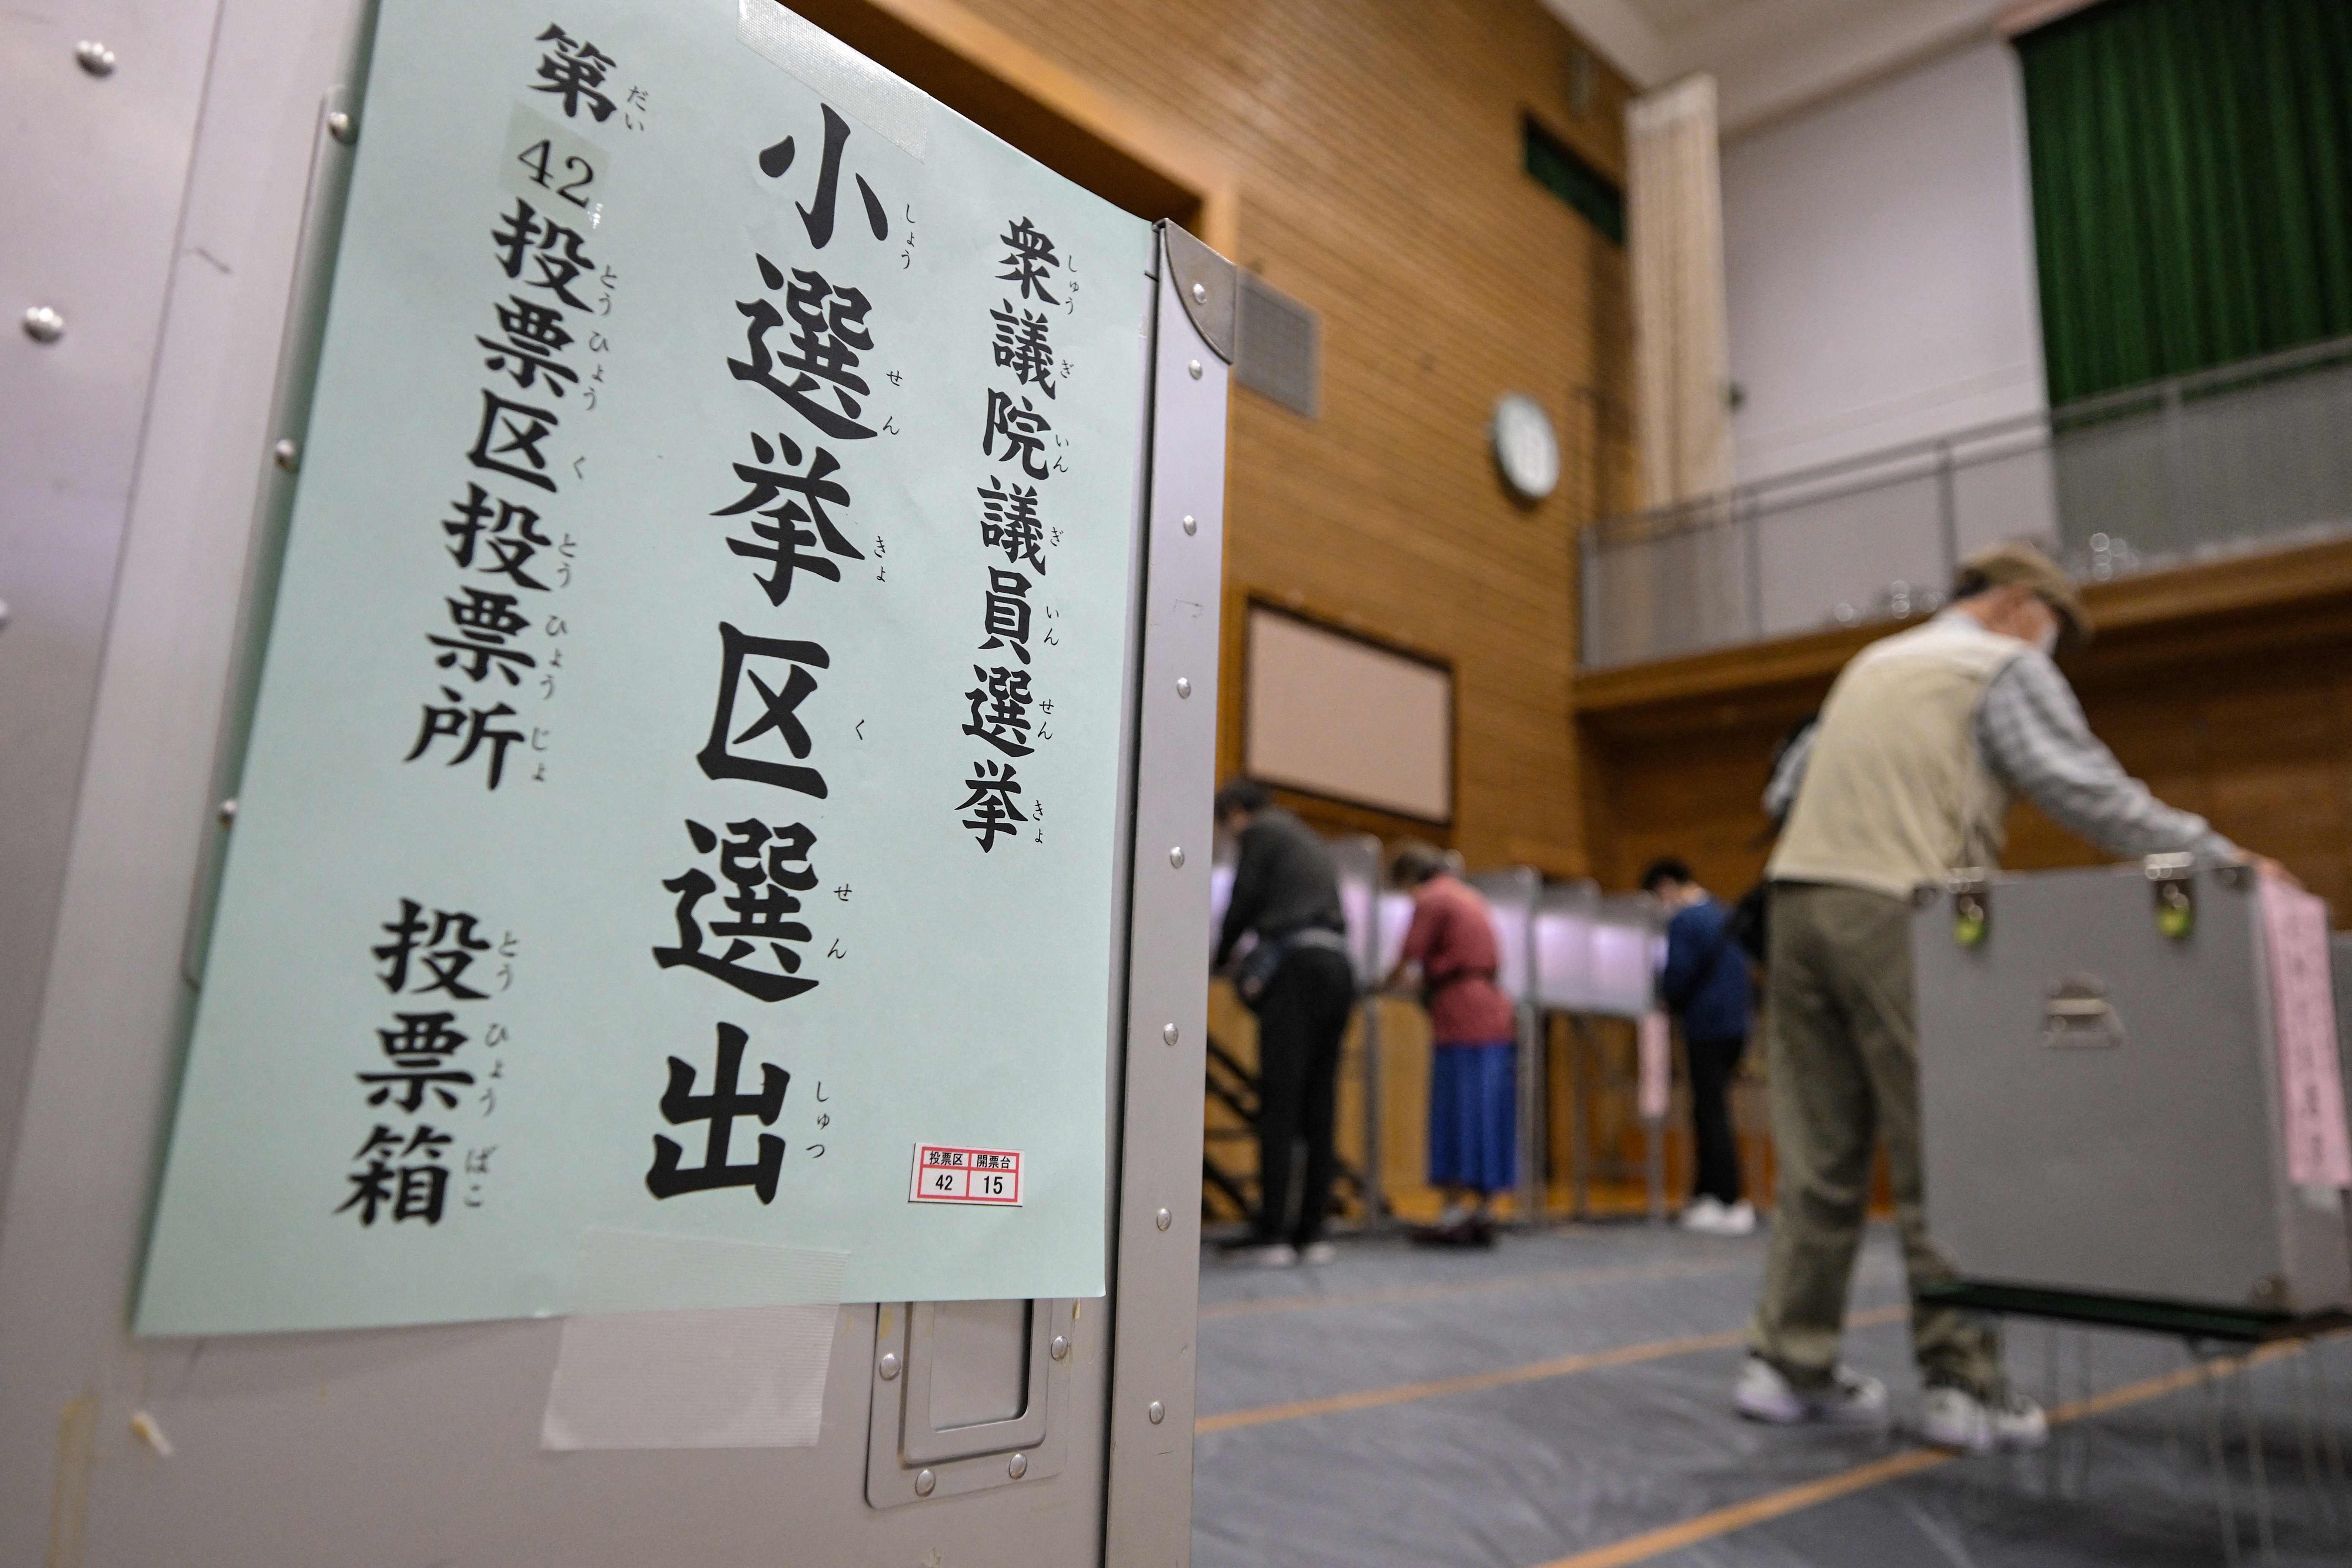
2014, 560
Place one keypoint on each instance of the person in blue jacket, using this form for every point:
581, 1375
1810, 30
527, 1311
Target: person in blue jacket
1705, 985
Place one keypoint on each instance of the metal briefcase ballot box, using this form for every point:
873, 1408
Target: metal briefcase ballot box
2339, 959
2104, 1100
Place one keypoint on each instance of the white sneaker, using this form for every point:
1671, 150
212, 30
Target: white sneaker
1851, 1399
1956, 1419
1739, 1220
1314, 1254
1704, 1215
2019, 1424
1272, 1255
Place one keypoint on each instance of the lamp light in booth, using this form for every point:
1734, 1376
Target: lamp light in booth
1511, 898
1221, 893
1565, 913
1395, 911
1526, 449
1624, 972
1357, 898
1510, 923
1359, 891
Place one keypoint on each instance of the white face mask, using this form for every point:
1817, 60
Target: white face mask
2048, 641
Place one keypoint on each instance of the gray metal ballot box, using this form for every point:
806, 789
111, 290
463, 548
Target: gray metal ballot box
2102, 1094
2339, 964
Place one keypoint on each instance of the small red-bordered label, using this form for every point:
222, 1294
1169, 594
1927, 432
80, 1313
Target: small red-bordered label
945, 1173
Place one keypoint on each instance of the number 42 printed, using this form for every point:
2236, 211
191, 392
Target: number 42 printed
546, 163
945, 1173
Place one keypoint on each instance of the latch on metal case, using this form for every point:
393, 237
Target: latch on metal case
2076, 1012
2172, 878
1971, 907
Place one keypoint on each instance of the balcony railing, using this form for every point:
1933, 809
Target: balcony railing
2247, 456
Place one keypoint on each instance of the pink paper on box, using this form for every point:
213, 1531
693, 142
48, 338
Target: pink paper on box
2302, 998
1655, 1047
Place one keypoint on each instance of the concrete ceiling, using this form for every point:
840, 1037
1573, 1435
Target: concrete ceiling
1772, 57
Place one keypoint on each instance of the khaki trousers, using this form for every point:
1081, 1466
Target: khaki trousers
1844, 1060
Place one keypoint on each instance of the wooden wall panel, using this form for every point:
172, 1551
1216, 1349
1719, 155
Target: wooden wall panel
2240, 714
1376, 152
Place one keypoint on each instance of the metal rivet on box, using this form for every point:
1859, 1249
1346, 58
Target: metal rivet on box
1018, 1466
924, 1482
287, 456
1183, 686
1192, 524
889, 1368
1163, 1219
1194, 369
227, 811
1169, 1033
340, 127
1158, 1413
44, 325
1200, 294
1176, 855
94, 57
1060, 1348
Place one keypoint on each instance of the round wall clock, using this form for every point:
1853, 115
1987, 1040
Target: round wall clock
1525, 447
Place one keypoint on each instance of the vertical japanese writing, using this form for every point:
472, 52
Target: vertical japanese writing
497, 641
442, 969
1007, 713
808, 333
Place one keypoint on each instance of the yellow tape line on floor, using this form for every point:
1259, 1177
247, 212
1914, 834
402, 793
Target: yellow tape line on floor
1776, 1505
1535, 1372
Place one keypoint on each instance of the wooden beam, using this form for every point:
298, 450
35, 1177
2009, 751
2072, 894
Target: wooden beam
2263, 581
1052, 114
1723, 672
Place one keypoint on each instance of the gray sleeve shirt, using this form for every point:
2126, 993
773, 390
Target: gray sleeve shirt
2036, 740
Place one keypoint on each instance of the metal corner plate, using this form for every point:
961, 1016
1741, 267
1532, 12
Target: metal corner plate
1209, 286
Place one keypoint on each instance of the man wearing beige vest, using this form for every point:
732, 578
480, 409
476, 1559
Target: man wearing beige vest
1908, 774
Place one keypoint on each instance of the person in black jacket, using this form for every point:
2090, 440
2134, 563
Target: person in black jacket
1299, 982
1706, 985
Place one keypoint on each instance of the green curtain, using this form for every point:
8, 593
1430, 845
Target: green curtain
2190, 164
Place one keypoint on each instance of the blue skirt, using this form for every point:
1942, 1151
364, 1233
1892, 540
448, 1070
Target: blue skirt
1474, 1125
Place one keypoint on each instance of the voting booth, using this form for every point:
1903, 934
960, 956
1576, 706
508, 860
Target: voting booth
1595, 958
624, 985
1363, 869
2133, 1088
1594, 954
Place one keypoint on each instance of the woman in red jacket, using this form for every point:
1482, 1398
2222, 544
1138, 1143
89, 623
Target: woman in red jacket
1473, 1090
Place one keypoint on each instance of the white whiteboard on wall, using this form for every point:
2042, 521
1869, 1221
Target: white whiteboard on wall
1336, 715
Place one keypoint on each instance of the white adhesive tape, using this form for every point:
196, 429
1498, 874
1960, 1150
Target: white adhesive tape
737, 1377
684, 1342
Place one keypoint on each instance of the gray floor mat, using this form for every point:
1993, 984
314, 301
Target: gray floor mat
1529, 1472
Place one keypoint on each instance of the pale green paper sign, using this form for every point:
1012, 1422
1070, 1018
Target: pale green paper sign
689, 759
